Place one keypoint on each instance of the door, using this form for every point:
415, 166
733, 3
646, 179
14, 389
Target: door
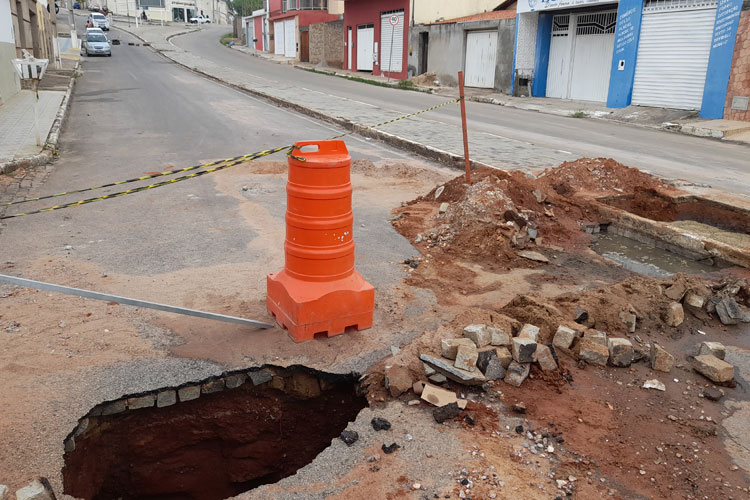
304, 46
365, 41
392, 41
673, 55
424, 44
278, 38
481, 55
290, 38
558, 70
349, 48
592, 57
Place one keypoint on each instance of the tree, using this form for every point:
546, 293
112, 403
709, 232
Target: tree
244, 7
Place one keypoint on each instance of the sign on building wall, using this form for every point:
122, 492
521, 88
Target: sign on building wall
537, 5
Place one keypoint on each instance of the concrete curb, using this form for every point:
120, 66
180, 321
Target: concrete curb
49, 150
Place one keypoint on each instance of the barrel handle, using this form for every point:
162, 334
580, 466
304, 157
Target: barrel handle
324, 148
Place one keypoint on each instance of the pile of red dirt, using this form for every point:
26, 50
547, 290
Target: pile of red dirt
502, 211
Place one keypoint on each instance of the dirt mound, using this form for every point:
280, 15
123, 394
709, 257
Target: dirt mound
600, 176
425, 80
504, 211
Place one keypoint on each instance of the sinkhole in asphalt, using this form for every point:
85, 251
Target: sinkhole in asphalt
213, 447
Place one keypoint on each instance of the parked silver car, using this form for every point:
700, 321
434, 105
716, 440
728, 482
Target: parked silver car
96, 44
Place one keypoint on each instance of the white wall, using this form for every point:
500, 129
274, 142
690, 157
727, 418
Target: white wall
526, 43
6, 23
429, 11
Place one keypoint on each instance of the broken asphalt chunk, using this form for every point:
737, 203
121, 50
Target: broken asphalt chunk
447, 412
380, 424
389, 448
349, 437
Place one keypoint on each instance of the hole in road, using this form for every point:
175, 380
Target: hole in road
213, 447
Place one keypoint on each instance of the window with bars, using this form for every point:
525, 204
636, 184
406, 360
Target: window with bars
599, 23
560, 25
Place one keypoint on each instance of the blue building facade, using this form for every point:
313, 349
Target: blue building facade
664, 53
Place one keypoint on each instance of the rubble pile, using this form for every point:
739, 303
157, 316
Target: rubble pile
504, 212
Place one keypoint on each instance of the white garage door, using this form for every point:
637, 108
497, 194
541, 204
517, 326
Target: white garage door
673, 55
580, 56
481, 55
290, 38
558, 69
365, 41
278, 38
592, 57
392, 41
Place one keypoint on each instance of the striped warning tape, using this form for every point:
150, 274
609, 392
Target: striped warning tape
150, 186
217, 166
128, 181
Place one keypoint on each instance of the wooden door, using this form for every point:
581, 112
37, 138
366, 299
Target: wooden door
304, 46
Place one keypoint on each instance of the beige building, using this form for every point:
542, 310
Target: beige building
24, 24
430, 11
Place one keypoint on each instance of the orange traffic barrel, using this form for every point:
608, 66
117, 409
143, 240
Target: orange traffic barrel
319, 292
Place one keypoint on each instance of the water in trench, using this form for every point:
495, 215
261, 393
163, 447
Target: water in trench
648, 260
214, 447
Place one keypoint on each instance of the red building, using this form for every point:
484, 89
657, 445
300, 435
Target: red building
288, 21
372, 28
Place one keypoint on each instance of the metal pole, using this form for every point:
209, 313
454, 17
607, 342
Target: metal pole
89, 294
127, 10
463, 125
390, 54
36, 111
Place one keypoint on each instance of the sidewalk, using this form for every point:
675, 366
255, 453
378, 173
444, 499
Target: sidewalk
684, 121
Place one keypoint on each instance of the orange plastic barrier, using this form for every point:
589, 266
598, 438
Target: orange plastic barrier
319, 293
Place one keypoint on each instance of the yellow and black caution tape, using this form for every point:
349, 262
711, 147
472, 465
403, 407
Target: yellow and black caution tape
381, 124
128, 181
229, 162
245, 158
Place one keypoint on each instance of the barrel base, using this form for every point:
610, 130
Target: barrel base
309, 309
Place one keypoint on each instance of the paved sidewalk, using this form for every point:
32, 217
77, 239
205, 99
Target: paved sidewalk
17, 131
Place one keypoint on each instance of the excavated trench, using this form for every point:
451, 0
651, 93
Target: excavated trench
213, 447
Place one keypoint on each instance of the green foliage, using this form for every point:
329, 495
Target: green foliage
244, 7
227, 38
578, 114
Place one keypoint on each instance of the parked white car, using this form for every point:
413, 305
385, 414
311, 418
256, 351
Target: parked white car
200, 20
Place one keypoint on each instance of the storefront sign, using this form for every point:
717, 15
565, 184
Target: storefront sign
720, 60
537, 5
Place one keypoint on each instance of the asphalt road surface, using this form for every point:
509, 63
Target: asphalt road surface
723, 165
136, 113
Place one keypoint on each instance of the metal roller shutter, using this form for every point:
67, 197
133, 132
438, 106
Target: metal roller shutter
391, 42
673, 55
481, 56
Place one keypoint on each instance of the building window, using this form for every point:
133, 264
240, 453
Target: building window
287, 5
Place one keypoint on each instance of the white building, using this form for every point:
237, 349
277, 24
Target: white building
179, 11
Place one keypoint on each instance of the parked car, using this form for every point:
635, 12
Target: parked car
98, 20
96, 44
96, 31
200, 20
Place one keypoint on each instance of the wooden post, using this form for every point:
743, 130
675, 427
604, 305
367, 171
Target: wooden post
463, 125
